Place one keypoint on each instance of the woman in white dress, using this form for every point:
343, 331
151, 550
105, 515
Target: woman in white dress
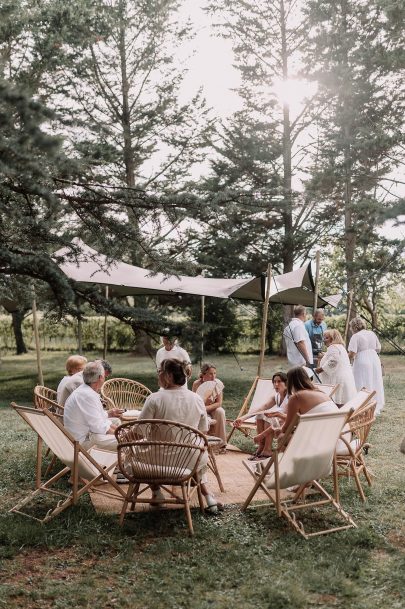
363, 348
335, 369
211, 390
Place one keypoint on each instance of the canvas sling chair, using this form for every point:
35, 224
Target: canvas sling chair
360, 400
303, 456
87, 468
353, 444
329, 390
44, 397
260, 392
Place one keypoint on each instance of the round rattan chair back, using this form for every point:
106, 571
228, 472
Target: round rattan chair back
125, 393
159, 452
46, 398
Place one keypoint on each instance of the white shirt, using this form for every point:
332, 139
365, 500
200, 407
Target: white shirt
175, 352
59, 391
364, 340
72, 383
84, 414
180, 405
295, 332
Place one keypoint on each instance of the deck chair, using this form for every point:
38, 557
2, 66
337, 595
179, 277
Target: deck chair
165, 454
261, 390
329, 390
304, 455
86, 468
125, 393
360, 400
353, 442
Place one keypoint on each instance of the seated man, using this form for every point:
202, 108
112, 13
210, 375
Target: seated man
84, 416
74, 364
76, 380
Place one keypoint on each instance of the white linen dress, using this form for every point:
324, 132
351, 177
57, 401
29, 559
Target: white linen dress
337, 370
367, 365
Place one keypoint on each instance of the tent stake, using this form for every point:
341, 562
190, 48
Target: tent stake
264, 322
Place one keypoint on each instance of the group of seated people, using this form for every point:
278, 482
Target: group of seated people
91, 425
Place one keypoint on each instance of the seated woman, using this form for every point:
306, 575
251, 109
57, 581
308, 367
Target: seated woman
304, 397
210, 389
174, 402
269, 417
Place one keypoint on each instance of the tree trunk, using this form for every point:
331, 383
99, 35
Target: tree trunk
17, 320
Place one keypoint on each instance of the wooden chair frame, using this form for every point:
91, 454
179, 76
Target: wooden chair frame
247, 428
288, 508
125, 393
99, 464
138, 441
328, 389
355, 440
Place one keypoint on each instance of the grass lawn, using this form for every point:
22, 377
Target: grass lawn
239, 560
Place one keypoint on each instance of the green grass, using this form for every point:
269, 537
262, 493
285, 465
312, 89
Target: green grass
238, 560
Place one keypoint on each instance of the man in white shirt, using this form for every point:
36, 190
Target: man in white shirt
74, 364
298, 343
84, 416
74, 381
171, 350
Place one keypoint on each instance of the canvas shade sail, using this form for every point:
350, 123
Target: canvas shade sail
124, 279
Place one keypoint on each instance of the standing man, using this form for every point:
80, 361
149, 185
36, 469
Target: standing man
171, 350
299, 348
316, 328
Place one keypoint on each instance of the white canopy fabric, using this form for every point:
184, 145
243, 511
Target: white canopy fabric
125, 280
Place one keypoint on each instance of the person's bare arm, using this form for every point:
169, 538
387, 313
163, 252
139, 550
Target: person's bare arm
303, 350
269, 404
292, 410
211, 406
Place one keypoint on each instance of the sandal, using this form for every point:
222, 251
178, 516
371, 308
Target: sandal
254, 456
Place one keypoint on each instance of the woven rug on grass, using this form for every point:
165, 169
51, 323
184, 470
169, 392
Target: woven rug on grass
235, 478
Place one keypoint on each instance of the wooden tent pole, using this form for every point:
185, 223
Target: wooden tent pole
264, 322
37, 344
105, 332
79, 329
317, 265
202, 329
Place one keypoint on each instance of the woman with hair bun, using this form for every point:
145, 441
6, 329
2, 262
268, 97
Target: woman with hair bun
334, 367
363, 349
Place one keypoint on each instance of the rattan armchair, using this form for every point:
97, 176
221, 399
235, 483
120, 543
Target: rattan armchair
46, 398
352, 445
161, 454
125, 393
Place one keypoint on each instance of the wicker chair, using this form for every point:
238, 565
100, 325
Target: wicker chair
156, 453
352, 445
125, 393
46, 398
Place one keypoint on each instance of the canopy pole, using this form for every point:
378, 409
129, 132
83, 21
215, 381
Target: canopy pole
105, 332
37, 345
202, 329
79, 329
317, 266
264, 322
348, 315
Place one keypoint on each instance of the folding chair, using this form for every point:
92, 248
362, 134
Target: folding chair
329, 390
44, 397
360, 400
353, 443
125, 393
302, 457
86, 468
157, 453
260, 392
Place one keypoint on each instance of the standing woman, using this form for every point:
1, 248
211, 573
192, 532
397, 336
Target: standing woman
334, 367
363, 348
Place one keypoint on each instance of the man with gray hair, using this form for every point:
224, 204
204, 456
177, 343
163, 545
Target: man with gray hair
299, 349
84, 416
316, 328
